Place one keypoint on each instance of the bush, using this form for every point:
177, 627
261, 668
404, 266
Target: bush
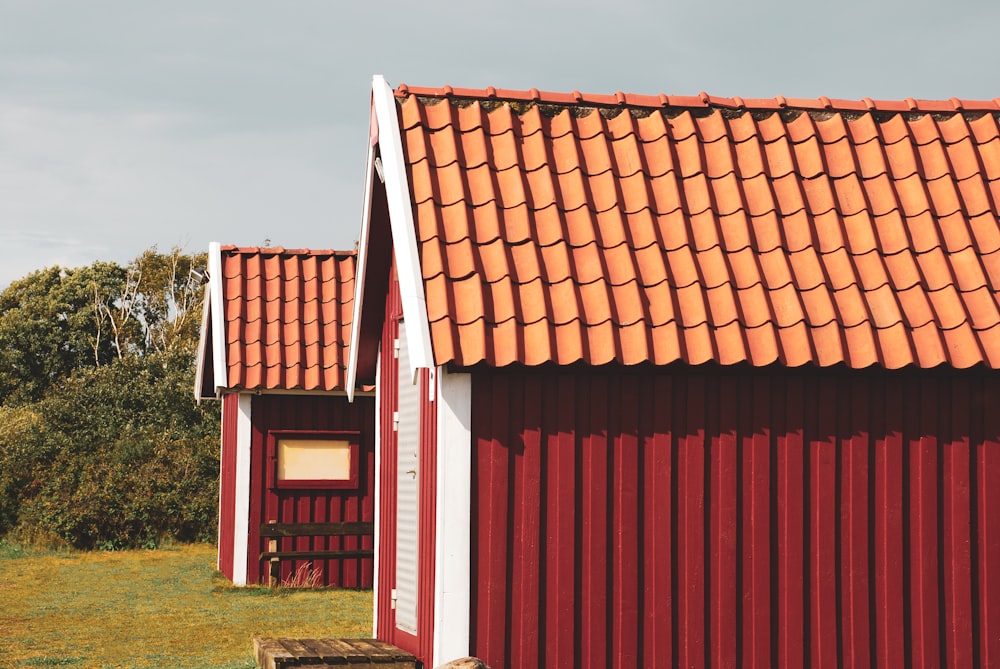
116, 457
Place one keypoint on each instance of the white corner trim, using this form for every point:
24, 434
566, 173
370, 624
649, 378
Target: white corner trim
218, 315
452, 589
404, 235
241, 526
359, 278
377, 493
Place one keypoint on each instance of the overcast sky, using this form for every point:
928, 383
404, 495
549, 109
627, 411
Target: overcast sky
125, 124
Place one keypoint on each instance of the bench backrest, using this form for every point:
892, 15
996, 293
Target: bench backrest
316, 529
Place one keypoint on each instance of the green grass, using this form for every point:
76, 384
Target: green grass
163, 608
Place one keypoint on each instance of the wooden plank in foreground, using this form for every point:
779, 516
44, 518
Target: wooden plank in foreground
281, 653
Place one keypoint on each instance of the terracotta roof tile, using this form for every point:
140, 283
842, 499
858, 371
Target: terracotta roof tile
287, 317
565, 227
982, 309
991, 264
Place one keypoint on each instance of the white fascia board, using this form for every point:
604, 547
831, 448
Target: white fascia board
453, 538
241, 526
218, 316
404, 235
359, 278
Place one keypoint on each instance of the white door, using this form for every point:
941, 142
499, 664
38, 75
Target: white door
407, 491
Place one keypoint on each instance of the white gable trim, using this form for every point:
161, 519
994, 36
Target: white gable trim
212, 314
359, 279
404, 235
404, 239
218, 316
452, 589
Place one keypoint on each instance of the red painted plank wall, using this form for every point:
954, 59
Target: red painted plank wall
421, 644
312, 412
387, 388
736, 518
227, 483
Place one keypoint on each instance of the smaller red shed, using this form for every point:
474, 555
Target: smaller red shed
274, 337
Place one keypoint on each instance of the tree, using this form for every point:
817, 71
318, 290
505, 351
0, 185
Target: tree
130, 459
101, 443
117, 313
24, 453
55, 321
49, 327
171, 297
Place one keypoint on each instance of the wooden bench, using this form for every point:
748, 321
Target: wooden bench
340, 653
273, 531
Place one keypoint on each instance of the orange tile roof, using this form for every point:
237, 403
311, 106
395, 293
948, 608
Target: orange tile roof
287, 317
653, 229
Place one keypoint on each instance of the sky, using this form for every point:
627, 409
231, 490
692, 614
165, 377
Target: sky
127, 124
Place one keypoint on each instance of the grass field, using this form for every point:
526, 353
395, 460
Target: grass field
163, 608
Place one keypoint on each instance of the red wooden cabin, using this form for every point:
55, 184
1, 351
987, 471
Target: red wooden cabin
698, 381
294, 450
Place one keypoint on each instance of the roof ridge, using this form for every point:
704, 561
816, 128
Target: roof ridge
704, 100
280, 250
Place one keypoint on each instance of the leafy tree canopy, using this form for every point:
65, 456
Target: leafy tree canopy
58, 320
101, 443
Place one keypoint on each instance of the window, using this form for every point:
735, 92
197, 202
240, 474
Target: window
314, 460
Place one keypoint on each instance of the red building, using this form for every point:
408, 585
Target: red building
294, 450
683, 381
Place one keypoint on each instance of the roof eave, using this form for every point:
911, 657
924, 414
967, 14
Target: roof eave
210, 371
199, 374
359, 277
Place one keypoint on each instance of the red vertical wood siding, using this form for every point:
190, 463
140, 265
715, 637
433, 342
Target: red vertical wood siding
312, 412
744, 518
227, 483
387, 383
422, 645
985, 543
